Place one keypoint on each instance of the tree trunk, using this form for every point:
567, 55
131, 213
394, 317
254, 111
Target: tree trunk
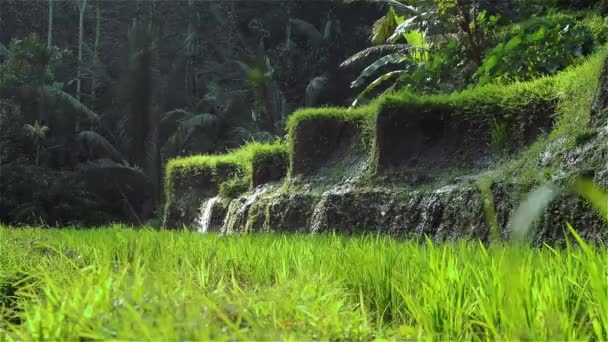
83, 6
189, 82
96, 46
288, 33
465, 25
49, 41
37, 154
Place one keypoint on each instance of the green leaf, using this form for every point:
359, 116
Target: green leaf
597, 197
538, 35
490, 63
374, 50
513, 43
415, 38
402, 29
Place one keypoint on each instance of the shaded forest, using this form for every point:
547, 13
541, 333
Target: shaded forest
110, 91
97, 96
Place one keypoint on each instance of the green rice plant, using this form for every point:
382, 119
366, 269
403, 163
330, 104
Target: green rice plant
119, 283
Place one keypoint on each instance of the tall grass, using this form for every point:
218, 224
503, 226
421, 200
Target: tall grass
119, 283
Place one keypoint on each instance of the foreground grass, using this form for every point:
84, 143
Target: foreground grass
126, 284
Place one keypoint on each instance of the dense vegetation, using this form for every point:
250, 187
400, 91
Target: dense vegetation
114, 283
145, 82
74, 111
454, 141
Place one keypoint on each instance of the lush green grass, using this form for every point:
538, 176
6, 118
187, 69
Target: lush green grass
362, 115
127, 284
233, 170
517, 106
576, 89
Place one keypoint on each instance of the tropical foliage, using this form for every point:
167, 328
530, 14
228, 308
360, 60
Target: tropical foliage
422, 45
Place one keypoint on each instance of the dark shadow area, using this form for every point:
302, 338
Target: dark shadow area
323, 142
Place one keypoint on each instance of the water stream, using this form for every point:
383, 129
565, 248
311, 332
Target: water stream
236, 218
206, 214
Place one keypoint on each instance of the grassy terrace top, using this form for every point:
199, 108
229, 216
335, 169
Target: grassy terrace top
233, 172
241, 159
566, 96
477, 103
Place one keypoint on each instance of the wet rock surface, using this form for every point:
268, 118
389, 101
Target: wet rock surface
290, 212
448, 209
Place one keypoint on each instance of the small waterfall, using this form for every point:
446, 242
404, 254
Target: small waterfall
233, 209
318, 221
204, 219
238, 211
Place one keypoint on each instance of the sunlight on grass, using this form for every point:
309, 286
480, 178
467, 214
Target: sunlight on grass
142, 284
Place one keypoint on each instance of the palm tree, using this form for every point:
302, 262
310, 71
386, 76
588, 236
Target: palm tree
26, 77
222, 123
37, 133
141, 85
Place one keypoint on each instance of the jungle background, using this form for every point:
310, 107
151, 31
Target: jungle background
96, 96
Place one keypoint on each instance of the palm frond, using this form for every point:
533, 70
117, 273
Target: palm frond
236, 110
36, 131
189, 44
169, 122
380, 80
97, 146
370, 70
399, 7
3, 51
384, 27
307, 29
372, 51
261, 136
406, 26
205, 124
93, 67
115, 183
314, 90
71, 102
237, 136
200, 120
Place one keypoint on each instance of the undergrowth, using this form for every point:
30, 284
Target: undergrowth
117, 283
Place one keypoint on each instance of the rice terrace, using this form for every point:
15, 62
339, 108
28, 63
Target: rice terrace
304, 170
